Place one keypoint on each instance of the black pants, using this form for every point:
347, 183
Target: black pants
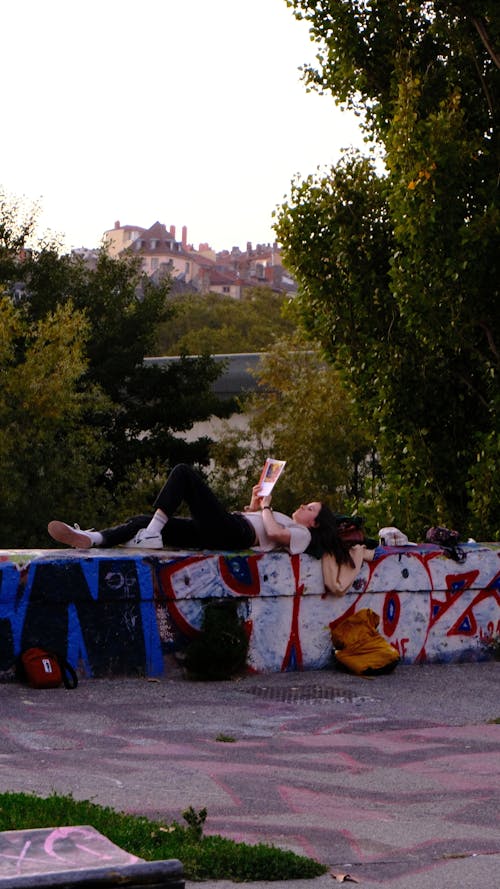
210, 526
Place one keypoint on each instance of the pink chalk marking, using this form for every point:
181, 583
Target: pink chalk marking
62, 833
21, 857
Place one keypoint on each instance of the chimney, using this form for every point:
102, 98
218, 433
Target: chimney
184, 235
172, 231
117, 223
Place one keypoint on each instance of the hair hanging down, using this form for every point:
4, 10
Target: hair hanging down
325, 538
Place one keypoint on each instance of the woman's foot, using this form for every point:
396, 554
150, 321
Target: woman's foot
70, 536
146, 539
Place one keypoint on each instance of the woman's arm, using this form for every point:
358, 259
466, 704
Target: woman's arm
368, 554
276, 532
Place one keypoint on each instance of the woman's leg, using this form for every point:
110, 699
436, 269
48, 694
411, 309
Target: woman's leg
123, 533
212, 526
186, 485
75, 537
182, 533
183, 485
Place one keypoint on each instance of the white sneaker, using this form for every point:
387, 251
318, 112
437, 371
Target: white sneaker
70, 536
146, 539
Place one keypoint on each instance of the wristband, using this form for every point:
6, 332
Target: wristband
266, 507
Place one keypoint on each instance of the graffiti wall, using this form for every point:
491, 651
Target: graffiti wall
118, 612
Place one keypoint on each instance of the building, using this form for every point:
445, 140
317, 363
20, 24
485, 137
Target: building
202, 270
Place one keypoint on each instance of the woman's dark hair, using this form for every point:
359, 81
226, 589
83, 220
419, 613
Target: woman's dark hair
325, 538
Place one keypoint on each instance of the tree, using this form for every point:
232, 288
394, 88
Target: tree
17, 224
134, 410
149, 404
219, 324
303, 414
48, 454
399, 277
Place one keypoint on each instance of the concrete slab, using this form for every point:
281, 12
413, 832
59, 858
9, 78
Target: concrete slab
77, 856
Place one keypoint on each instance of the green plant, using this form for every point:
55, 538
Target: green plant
195, 821
220, 651
203, 858
225, 739
492, 646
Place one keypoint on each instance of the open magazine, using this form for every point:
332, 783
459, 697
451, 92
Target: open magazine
270, 474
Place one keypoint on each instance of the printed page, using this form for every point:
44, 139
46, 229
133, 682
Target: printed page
270, 475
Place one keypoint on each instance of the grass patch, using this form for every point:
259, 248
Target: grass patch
203, 857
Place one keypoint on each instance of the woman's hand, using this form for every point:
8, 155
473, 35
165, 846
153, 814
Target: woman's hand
257, 501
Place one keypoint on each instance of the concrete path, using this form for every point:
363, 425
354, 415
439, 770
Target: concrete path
394, 780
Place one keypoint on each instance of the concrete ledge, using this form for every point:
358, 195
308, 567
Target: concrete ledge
124, 612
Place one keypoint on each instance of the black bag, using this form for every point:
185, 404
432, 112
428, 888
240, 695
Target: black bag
350, 528
448, 540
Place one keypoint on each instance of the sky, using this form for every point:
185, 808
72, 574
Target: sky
186, 112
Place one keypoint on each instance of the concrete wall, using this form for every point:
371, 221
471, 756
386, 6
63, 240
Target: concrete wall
121, 612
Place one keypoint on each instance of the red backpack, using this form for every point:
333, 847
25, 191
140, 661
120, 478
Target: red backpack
44, 669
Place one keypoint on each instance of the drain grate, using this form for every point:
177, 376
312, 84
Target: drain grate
306, 694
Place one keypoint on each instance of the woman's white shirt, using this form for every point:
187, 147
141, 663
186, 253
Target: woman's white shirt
300, 536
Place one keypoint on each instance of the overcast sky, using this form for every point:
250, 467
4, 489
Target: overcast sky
186, 112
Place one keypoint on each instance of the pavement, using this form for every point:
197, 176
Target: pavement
394, 780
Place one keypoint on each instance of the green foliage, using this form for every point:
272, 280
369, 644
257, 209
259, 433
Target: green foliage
303, 413
492, 646
220, 651
44, 438
83, 419
124, 309
195, 821
238, 455
484, 484
399, 273
337, 240
202, 857
17, 223
360, 45
218, 325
